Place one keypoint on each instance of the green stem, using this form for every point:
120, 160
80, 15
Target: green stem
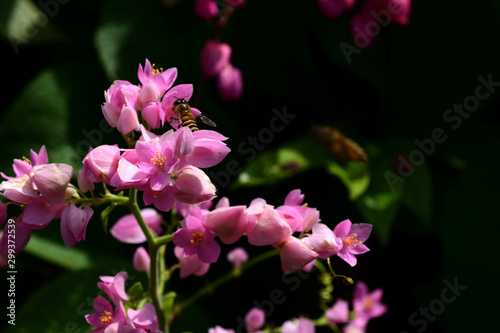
224, 278
154, 253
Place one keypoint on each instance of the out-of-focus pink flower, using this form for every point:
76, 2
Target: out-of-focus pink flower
332, 9
214, 56
206, 9
22, 233
194, 186
353, 237
196, 239
366, 304
294, 255
227, 222
338, 313
230, 83
3, 213
190, 265
128, 230
323, 241
255, 319
266, 227
301, 325
218, 329
104, 315
141, 260
114, 287
364, 29
387, 11
74, 223
237, 257
101, 164
236, 3
144, 318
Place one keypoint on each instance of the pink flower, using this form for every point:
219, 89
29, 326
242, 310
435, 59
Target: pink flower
84, 184
298, 216
323, 241
294, 255
364, 29
101, 164
194, 186
206, 9
104, 315
190, 265
338, 313
255, 319
141, 260
214, 57
74, 223
367, 305
301, 325
3, 213
120, 108
230, 83
114, 287
265, 226
128, 230
332, 9
237, 257
218, 329
144, 318
236, 3
353, 236
227, 222
196, 239
51, 181
208, 149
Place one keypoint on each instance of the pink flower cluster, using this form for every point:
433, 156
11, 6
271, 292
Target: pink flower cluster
265, 225
374, 14
215, 56
41, 189
108, 319
366, 305
165, 167
153, 98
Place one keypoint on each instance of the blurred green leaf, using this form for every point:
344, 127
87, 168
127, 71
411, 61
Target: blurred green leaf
70, 258
168, 303
355, 176
417, 194
22, 23
136, 292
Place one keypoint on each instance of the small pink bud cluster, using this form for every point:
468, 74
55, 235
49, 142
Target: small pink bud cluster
165, 167
374, 15
107, 318
366, 305
215, 56
41, 189
266, 225
153, 99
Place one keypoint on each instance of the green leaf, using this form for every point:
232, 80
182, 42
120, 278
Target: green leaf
168, 303
355, 176
70, 258
136, 292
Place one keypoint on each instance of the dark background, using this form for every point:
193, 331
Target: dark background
437, 225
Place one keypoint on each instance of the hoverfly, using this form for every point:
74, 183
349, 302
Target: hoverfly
336, 142
184, 115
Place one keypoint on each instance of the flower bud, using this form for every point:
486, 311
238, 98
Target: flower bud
295, 255
230, 83
51, 180
237, 257
214, 57
255, 319
227, 222
269, 229
206, 9
141, 260
102, 163
194, 186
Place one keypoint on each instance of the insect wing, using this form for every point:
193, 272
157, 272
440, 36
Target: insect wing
206, 120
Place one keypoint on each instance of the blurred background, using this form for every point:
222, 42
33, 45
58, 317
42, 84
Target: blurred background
422, 102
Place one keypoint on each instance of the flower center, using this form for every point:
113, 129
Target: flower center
24, 159
155, 70
352, 241
156, 194
196, 237
369, 303
159, 161
106, 318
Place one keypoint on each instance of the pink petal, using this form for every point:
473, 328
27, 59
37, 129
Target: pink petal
52, 180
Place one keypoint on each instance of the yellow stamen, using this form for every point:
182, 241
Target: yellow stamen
156, 194
106, 318
159, 160
352, 241
196, 237
24, 159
